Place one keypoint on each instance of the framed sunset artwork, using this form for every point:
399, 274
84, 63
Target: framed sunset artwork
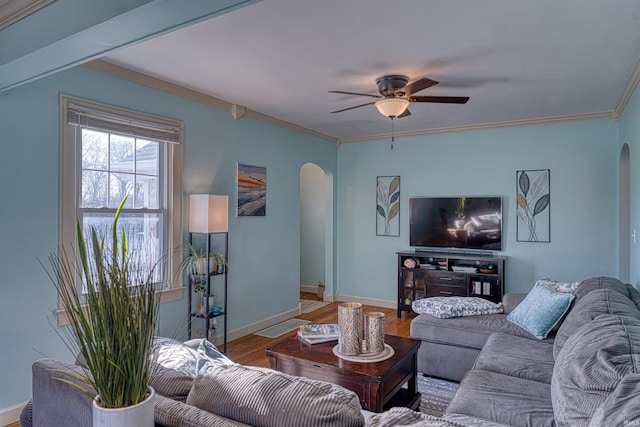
251, 190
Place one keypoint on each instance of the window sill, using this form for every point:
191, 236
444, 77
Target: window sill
165, 295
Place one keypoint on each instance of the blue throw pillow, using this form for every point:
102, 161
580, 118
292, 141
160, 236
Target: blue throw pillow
541, 310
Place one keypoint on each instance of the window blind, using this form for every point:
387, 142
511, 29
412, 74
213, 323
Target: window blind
78, 115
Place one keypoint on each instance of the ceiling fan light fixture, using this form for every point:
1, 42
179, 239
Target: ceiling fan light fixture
392, 107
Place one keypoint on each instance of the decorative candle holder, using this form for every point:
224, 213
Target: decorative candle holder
374, 332
350, 324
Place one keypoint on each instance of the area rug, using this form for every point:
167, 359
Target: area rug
310, 305
436, 394
281, 328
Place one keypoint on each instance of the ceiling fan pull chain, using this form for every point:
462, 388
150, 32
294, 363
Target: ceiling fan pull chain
392, 137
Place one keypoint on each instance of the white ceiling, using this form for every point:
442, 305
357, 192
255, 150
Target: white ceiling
516, 59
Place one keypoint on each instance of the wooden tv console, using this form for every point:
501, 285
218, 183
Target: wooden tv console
445, 274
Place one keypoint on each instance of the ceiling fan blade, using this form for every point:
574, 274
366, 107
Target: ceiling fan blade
404, 114
440, 99
419, 85
351, 108
355, 93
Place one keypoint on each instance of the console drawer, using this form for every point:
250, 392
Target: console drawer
445, 278
446, 291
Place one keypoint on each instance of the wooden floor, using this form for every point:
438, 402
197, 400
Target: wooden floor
250, 350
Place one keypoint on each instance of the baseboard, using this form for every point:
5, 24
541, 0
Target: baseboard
273, 320
314, 290
11, 414
367, 301
264, 323
309, 288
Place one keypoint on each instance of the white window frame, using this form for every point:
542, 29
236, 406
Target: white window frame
69, 189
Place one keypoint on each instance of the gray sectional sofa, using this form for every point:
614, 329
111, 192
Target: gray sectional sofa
586, 373
228, 395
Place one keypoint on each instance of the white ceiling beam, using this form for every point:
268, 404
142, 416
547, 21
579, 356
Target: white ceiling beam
68, 33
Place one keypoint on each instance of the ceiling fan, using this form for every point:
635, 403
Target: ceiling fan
396, 93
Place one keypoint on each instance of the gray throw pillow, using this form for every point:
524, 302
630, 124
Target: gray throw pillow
263, 397
590, 366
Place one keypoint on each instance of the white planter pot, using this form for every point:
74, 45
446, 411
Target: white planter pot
140, 415
201, 266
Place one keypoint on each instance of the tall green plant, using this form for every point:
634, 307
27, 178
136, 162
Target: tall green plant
113, 329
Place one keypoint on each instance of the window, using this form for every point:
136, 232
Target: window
107, 153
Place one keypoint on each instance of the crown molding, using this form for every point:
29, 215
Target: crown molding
184, 92
513, 123
628, 90
14, 10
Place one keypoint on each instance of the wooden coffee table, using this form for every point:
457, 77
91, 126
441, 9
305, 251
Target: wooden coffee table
379, 385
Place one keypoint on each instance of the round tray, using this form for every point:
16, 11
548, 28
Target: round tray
387, 353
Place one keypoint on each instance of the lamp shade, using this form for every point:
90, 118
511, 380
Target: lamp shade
208, 214
392, 107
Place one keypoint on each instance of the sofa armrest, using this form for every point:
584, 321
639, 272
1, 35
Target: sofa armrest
171, 413
511, 300
55, 402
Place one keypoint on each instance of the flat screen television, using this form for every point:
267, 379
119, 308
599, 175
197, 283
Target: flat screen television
456, 222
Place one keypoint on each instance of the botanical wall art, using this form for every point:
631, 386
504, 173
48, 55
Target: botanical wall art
252, 190
533, 210
388, 206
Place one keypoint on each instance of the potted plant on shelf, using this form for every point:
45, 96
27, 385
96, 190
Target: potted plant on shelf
195, 265
195, 262
112, 326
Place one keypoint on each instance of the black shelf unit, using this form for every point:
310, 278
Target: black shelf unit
445, 274
209, 279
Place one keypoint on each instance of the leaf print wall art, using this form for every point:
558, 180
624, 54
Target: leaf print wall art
388, 206
533, 206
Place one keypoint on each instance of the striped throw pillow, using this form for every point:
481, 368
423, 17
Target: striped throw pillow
264, 397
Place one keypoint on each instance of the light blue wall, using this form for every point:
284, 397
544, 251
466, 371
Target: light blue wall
582, 157
262, 282
630, 134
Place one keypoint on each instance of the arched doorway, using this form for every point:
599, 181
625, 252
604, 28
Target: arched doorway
624, 209
313, 227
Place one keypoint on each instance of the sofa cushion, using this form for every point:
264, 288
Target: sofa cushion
511, 300
446, 307
58, 402
634, 295
590, 306
622, 407
169, 412
264, 397
541, 310
591, 364
405, 417
502, 399
601, 282
470, 331
171, 383
517, 357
